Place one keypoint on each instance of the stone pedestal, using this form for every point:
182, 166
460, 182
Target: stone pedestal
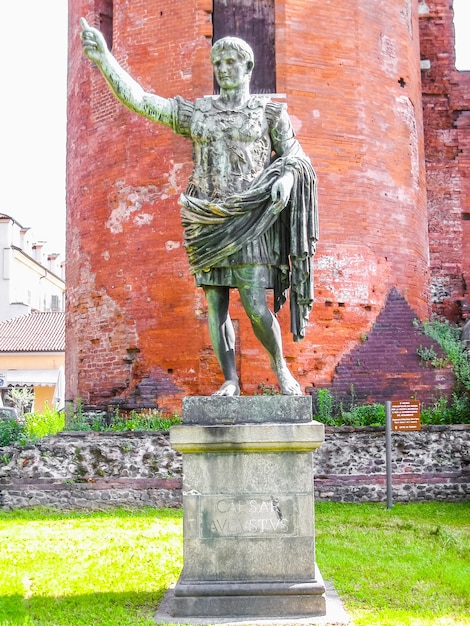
249, 545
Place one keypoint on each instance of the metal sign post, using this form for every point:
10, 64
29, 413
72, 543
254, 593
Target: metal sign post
401, 416
388, 452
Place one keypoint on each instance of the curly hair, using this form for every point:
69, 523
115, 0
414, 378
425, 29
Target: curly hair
234, 43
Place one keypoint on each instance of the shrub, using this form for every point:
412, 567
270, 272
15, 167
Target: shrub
324, 406
448, 336
332, 412
363, 415
48, 422
11, 431
443, 412
34, 427
152, 419
336, 412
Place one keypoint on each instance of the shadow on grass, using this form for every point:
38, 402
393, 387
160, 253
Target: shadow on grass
138, 609
100, 609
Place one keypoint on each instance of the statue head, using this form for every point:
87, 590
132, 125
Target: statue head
243, 50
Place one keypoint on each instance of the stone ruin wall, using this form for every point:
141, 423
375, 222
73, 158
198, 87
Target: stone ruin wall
100, 470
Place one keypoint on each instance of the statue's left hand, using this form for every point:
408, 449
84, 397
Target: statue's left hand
280, 192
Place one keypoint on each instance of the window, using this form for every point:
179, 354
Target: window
105, 9
252, 21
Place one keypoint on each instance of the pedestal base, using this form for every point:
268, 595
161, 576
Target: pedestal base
249, 546
250, 600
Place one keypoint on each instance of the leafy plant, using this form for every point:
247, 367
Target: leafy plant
76, 418
21, 397
324, 406
34, 427
429, 355
150, 420
345, 411
333, 412
445, 412
267, 390
448, 336
363, 415
426, 353
11, 431
47, 422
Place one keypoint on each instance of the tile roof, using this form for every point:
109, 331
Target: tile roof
36, 332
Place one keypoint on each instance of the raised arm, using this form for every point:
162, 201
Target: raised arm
124, 87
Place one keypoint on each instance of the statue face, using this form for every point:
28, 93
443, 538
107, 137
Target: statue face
230, 70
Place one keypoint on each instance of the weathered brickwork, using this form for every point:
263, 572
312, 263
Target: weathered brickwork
99, 470
387, 366
446, 106
136, 324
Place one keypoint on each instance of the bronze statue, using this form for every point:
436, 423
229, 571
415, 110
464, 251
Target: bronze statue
249, 212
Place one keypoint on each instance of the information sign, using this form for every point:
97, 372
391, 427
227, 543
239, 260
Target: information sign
406, 415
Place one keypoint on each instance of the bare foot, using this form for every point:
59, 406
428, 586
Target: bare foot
229, 388
289, 386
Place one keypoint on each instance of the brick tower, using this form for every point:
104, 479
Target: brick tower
350, 72
446, 106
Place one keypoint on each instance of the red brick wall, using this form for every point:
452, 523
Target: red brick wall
136, 325
386, 364
446, 105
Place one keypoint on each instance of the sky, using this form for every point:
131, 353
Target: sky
33, 53
33, 50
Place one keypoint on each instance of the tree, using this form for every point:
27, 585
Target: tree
21, 398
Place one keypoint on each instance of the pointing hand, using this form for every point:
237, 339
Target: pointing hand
94, 44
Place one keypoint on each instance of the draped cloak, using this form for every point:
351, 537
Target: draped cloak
217, 229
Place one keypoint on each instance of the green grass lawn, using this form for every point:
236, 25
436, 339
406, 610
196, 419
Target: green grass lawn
405, 566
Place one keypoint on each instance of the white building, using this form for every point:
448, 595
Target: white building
30, 278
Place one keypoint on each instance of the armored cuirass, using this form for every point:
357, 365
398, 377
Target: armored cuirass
231, 147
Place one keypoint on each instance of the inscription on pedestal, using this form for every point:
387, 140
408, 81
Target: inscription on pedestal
260, 516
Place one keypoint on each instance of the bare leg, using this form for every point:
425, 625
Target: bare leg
266, 327
223, 338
